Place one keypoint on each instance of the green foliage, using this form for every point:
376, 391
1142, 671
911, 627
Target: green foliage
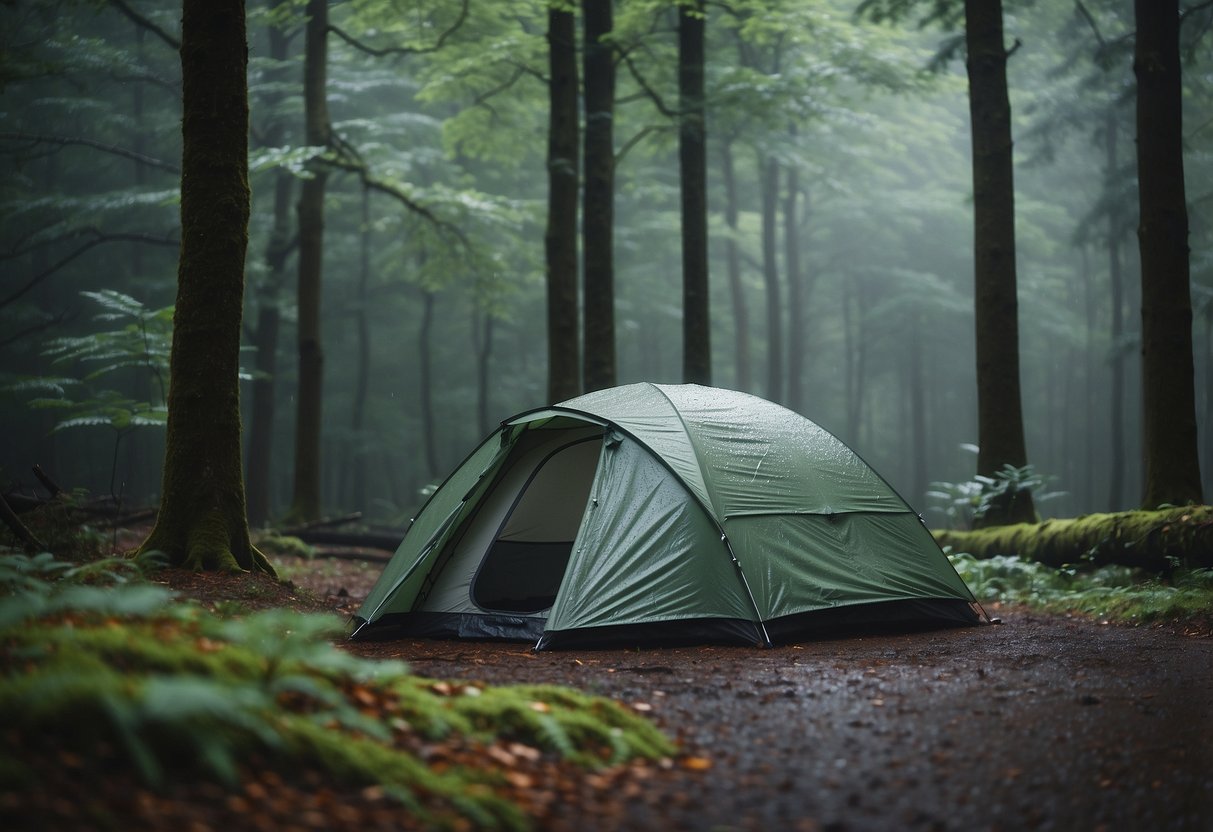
964, 503
96, 659
1111, 593
284, 545
134, 338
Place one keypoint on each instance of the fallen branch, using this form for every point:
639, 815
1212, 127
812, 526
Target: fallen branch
1150, 540
49, 484
31, 542
323, 523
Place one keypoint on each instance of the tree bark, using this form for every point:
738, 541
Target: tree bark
692, 157
202, 522
1116, 417
306, 502
796, 311
999, 410
426, 392
560, 238
259, 457
769, 169
598, 230
741, 315
362, 373
483, 325
1169, 418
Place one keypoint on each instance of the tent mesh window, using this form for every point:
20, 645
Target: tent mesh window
524, 566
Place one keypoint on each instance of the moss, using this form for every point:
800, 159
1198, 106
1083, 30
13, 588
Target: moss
282, 545
1151, 540
175, 692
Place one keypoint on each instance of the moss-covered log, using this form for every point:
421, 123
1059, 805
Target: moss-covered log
202, 521
1145, 539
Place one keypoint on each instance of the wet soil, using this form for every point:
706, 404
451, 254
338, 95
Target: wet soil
1041, 722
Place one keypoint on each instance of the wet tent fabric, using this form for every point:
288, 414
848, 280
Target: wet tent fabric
650, 512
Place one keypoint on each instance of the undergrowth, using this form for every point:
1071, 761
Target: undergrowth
99, 661
1111, 593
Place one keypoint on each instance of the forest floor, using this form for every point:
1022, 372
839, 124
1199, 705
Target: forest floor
1042, 722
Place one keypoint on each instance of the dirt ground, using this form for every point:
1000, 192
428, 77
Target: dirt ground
1041, 722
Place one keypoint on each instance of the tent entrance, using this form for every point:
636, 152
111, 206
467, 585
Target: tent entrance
525, 559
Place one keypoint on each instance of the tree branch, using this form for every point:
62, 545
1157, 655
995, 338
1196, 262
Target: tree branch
140, 20
33, 329
34, 139
404, 50
649, 91
99, 239
1199, 7
32, 543
346, 158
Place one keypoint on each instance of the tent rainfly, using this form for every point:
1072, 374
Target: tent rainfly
655, 513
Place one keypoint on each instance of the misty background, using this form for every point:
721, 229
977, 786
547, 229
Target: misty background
433, 304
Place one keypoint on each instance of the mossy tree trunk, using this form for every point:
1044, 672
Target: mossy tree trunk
305, 504
560, 238
1000, 430
598, 230
202, 522
1169, 416
693, 173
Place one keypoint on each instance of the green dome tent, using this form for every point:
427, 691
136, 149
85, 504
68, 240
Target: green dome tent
656, 513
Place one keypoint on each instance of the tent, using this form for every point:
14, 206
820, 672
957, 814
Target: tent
654, 513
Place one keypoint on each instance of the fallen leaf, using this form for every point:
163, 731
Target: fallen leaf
696, 763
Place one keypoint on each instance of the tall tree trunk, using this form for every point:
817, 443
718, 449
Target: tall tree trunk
426, 393
796, 300
1116, 416
918, 413
362, 370
259, 455
1208, 469
560, 238
1090, 391
306, 503
1169, 420
855, 343
598, 230
741, 315
692, 158
769, 169
482, 339
202, 522
999, 409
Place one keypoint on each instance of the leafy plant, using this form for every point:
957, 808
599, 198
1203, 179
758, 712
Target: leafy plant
101, 665
964, 503
133, 338
1114, 593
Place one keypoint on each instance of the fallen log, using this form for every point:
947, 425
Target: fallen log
1156, 541
373, 540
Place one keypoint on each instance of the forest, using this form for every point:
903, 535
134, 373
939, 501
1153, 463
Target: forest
846, 368
838, 221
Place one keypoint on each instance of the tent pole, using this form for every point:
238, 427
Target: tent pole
724, 538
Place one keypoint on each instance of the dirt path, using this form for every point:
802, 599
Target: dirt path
1040, 723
